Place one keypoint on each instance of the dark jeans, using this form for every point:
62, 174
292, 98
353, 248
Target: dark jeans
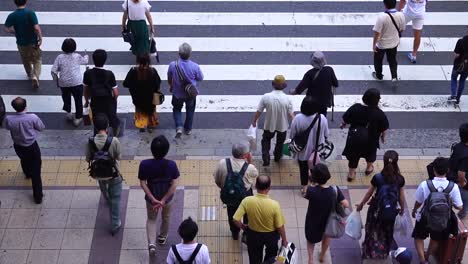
255, 243
391, 58
266, 144
304, 172
77, 93
231, 210
457, 87
177, 104
108, 107
31, 162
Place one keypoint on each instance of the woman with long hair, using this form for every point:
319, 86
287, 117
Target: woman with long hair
143, 81
389, 182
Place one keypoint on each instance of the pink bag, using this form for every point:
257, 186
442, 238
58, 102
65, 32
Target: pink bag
311, 161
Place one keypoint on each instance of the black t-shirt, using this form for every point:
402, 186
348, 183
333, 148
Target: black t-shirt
142, 90
321, 87
458, 161
100, 82
462, 49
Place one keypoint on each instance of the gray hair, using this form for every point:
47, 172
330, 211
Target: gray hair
239, 149
184, 51
317, 60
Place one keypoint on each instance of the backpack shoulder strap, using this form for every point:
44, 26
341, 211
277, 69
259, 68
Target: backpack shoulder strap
195, 253
92, 144
243, 169
176, 254
449, 187
228, 165
107, 144
430, 186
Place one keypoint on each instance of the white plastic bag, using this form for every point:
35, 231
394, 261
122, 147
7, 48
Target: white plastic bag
252, 137
401, 225
287, 255
354, 225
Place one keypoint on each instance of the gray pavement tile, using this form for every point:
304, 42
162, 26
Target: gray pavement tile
81, 218
436, 152
13, 256
284, 197
300, 201
17, 239
136, 199
8, 198
290, 217
43, 256
191, 199
77, 238
58, 199
24, 199
23, 218
85, 199
53, 218
4, 217
134, 239
192, 212
47, 239
134, 256
301, 215
2, 232
73, 257
135, 218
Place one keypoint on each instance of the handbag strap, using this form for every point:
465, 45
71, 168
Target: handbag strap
394, 23
128, 10
179, 72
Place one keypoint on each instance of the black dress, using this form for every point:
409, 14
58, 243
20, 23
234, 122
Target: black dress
360, 115
320, 203
142, 90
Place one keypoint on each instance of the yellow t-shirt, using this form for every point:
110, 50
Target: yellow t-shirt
264, 213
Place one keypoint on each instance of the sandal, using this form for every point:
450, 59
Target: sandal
368, 172
349, 178
162, 240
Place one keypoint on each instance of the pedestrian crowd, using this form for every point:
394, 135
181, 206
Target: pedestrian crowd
259, 217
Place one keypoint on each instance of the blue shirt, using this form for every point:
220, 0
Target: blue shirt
191, 72
23, 21
24, 128
158, 175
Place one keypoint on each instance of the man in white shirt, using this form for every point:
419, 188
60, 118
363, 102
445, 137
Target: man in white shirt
421, 230
387, 31
189, 250
279, 109
414, 11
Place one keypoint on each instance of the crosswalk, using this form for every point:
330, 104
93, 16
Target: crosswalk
241, 45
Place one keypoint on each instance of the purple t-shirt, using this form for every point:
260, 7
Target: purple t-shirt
191, 72
158, 174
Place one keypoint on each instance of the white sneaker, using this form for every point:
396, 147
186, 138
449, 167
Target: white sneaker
178, 132
77, 122
70, 116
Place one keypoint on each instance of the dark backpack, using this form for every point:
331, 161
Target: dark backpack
437, 208
192, 257
233, 190
387, 200
102, 165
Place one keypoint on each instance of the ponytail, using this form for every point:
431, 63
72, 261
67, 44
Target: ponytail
391, 170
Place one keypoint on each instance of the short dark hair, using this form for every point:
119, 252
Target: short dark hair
99, 57
19, 104
320, 174
310, 106
100, 121
441, 166
371, 97
159, 147
20, 2
69, 45
463, 132
188, 230
263, 183
390, 4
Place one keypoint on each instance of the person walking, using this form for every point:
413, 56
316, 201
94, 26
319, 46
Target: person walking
319, 82
459, 167
191, 73
321, 199
66, 72
368, 123
421, 228
189, 250
239, 165
158, 179
460, 68
24, 129
379, 241
143, 82
414, 11
309, 116
279, 111
266, 222
136, 12
387, 32
111, 189
24, 24
101, 88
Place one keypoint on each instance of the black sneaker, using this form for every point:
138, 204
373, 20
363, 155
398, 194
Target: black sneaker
235, 235
162, 240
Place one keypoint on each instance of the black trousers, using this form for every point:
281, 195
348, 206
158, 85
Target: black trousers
108, 107
256, 241
77, 93
31, 162
391, 58
304, 172
231, 210
266, 144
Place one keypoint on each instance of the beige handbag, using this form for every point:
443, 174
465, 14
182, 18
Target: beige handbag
158, 98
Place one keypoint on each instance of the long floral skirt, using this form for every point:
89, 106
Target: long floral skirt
145, 120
